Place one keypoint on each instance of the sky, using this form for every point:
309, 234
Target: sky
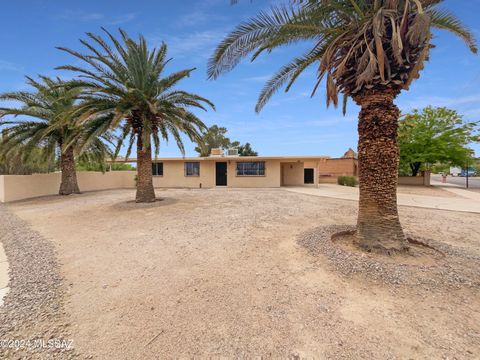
292, 123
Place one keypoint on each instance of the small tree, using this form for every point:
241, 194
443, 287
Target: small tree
246, 150
213, 137
434, 135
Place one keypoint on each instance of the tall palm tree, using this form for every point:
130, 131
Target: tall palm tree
125, 87
369, 50
50, 128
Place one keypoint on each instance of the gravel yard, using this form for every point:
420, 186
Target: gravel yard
233, 273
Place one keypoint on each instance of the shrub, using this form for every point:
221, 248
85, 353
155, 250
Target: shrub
347, 181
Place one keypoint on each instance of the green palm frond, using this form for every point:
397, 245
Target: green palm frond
124, 86
445, 20
360, 45
47, 120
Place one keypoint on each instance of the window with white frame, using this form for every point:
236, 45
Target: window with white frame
157, 169
252, 168
192, 168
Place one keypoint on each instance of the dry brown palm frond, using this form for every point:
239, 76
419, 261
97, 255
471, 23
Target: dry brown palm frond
396, 42
342, 66
391, 4
419, 29
419, 65
332, 92
378, 31
369, 73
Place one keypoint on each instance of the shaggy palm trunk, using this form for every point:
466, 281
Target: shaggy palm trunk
69, 183
378, 225
145, 191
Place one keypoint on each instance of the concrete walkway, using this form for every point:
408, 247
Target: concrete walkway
457, 190
3, 274
422, 201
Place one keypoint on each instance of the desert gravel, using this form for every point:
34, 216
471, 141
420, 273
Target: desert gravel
32, 320
436, 264
225, 274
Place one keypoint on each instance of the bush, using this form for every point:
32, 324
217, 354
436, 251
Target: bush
347, 181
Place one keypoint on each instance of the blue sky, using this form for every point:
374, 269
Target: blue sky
291, 124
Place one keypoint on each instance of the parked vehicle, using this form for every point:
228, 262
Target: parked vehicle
471, 172
455, 171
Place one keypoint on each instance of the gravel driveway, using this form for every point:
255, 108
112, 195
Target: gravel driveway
211, 273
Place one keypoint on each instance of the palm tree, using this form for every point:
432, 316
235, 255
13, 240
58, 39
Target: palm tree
125, 87
369, 50
51, 129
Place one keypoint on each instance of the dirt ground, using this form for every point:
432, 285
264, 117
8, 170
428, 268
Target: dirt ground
210, 273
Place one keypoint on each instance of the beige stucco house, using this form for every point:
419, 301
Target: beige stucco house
248, 171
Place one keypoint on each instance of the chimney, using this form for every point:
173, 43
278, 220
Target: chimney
215, 152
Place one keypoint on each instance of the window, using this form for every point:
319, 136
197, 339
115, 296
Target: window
254, 168
157, 169
192, 169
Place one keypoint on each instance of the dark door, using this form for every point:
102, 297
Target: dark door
308, 176
221, 173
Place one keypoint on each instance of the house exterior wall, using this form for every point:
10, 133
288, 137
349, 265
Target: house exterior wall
174, 175
293, 173
271, 178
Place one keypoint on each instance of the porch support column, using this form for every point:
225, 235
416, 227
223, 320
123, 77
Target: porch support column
316, 174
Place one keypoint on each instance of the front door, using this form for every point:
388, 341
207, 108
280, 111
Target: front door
221, 173
308, 176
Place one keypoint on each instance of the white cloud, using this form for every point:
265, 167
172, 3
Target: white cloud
439, 101
122, 19
198, 17
8, 66
261, 78
83, 16
199, 44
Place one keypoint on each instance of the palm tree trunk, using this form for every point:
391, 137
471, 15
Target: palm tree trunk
69, 184
145, 191
378, 225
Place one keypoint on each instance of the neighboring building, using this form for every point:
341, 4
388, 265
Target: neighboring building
235, 171
330, 169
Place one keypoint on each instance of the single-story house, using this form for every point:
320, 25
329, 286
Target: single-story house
235, 171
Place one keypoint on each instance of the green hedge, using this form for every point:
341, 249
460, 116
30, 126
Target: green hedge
347, 181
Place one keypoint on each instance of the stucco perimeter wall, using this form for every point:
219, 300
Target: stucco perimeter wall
174, 175
2, 189
327, 179
415, 180
91, 181
270, 180
20, 187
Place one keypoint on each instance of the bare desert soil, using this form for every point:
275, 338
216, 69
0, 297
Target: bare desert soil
220, 273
